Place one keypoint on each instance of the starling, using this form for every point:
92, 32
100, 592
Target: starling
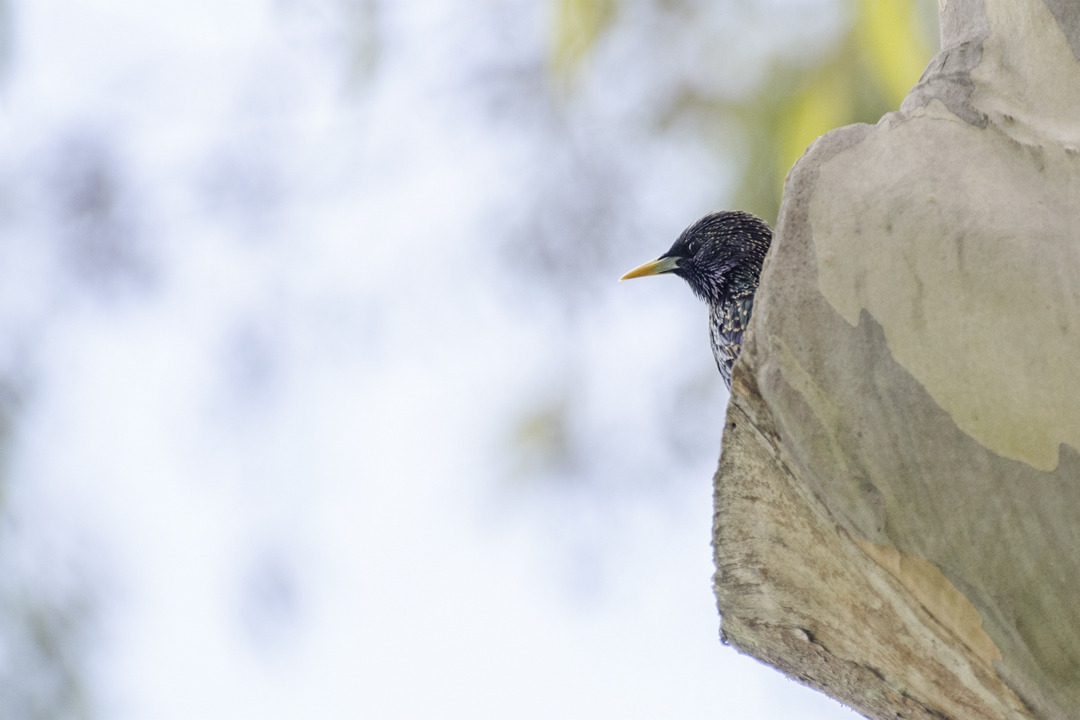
720, 257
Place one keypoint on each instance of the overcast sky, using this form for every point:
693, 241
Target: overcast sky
322, 400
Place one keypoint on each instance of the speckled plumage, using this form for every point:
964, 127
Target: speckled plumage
720, 257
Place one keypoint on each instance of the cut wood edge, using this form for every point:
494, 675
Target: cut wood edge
881, 632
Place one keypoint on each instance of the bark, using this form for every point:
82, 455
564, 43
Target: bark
898, 498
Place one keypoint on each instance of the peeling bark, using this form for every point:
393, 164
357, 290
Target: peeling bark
898, 499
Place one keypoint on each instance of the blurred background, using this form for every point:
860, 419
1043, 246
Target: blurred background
318, 397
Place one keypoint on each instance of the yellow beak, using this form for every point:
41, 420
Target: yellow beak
654, 267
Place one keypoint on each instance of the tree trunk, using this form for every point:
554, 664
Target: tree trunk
898, 498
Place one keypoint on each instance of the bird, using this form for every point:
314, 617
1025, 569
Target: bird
720, 257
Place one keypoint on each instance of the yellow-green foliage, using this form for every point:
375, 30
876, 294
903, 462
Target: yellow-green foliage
865, 73
576, 27
869, 73
882, 57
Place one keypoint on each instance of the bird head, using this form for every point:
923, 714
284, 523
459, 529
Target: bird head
716, 256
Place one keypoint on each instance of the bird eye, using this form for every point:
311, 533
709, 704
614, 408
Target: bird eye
691, 247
